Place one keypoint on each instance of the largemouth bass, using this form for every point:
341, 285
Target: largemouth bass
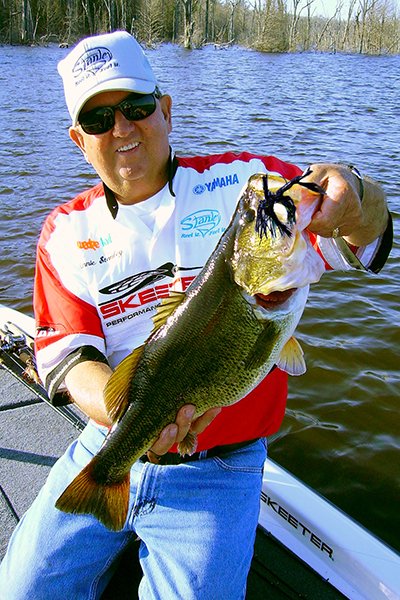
213, 344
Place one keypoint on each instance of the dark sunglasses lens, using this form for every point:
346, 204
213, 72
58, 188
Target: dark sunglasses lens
136, 109
98, 120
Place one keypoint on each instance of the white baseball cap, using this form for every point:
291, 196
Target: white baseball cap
111, 61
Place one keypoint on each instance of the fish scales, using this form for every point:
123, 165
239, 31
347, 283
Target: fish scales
212, 371
211, 347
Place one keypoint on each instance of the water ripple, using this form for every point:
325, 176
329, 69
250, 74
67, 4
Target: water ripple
341, 432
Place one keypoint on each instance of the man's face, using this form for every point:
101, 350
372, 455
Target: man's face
132, 157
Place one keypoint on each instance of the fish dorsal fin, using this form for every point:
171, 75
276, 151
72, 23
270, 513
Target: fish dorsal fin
116, 392
291, 358
167, 307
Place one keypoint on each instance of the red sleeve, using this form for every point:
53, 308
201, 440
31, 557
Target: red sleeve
58, 312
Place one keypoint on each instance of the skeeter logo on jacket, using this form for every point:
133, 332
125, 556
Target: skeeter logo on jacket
135, 291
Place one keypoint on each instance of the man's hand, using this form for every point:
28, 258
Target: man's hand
86, 382
341, 210
176, 432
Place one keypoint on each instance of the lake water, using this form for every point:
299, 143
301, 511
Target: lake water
341, 431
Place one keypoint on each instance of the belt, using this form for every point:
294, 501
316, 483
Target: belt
173, 458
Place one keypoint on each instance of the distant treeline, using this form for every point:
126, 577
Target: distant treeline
366, 26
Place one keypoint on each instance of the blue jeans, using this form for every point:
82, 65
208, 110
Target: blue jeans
196, 522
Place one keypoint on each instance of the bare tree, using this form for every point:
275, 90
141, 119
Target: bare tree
295, 18
327, 24
365, 7
346, 33
87, 6
150, 22
26, 22
188, 22
369, 26
272, 27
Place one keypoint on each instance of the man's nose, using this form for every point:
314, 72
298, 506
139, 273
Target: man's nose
122, 126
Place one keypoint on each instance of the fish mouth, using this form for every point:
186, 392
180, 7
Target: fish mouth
274, 299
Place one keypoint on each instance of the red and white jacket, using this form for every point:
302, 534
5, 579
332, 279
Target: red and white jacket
102, 269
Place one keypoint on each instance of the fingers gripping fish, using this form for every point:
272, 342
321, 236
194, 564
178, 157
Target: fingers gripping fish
213, 344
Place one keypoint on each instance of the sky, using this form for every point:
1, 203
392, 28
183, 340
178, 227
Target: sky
326, 8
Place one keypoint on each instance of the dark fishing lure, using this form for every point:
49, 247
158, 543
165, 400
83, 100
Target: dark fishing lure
267, 221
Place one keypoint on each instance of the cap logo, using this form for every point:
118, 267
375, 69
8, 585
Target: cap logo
91, 61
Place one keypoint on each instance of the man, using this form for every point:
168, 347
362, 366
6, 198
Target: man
105, 260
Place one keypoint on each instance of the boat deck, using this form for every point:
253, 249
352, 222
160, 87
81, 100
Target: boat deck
33, 436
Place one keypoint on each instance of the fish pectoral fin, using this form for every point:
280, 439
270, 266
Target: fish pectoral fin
166, 308
263, 346
116, 392
108, 502
291, 358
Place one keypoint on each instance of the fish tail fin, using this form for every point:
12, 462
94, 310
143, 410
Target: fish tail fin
107, 501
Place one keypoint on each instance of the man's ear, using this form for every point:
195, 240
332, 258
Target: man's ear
78, 139
166, 105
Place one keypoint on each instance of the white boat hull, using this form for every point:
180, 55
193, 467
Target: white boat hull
348, 556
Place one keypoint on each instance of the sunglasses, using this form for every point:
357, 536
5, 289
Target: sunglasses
134, 107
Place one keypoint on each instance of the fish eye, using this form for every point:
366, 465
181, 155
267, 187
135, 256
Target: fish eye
249, 215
